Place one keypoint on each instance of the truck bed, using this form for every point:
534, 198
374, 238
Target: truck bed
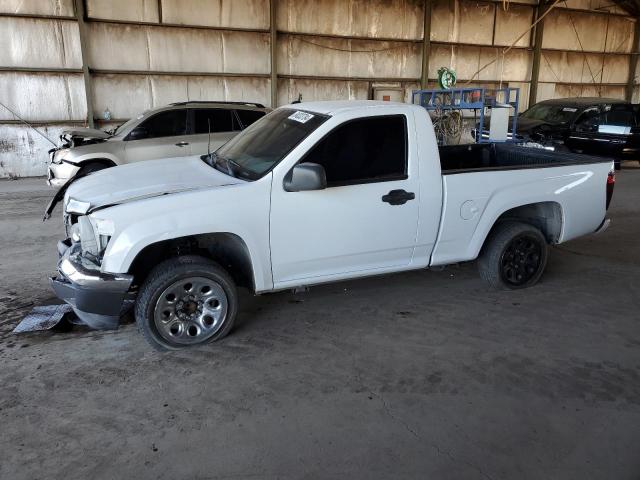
504, 156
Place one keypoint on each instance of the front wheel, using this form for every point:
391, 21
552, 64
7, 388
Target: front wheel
185, 302
513, 256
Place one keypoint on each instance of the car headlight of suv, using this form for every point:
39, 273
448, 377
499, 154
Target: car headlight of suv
58, 154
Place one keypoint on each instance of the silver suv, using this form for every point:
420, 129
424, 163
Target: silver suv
177, 130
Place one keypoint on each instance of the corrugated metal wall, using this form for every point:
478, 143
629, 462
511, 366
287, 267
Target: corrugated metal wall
146, 53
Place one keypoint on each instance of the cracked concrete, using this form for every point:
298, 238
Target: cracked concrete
417, 375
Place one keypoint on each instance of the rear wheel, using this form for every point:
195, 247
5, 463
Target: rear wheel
514, 256
185, 302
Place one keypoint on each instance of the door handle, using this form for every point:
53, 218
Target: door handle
398, 197
182, 144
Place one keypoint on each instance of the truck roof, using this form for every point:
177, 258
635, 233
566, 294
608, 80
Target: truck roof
341, 106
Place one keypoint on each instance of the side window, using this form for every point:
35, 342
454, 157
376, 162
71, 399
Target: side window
363, 150
620, 115
588, 120
166, 124
247, 117
221, 120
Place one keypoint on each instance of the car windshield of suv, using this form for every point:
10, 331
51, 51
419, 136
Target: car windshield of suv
125, 125
551, 113
256, 150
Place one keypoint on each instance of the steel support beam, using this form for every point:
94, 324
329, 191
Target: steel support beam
426, 43
537, 53
633, 62
79, 7
274, 52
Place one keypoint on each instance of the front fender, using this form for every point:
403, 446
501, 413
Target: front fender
78, 156
241, 210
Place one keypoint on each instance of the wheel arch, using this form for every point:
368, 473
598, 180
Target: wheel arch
107, 162
546, 216
229, 250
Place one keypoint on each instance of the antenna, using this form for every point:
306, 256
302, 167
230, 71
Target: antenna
209, 140
29, 125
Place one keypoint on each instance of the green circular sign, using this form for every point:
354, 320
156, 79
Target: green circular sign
446, 78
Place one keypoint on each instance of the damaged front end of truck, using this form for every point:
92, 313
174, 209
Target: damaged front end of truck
96, 297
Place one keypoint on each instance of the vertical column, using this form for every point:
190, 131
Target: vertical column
274, 66
426, 44
537, 53
633, 62
79, 7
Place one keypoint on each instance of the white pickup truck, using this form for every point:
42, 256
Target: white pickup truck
313, 193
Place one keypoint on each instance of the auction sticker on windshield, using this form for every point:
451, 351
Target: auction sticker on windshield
302, 117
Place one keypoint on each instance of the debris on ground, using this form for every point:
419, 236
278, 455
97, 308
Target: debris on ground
45, 317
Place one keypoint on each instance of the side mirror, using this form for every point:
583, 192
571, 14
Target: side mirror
305, 177
138, 133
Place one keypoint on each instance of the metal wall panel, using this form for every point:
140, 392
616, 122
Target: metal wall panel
23, 153
620, 35
563, 91
313, 90
559, 31
348, 58
128, 10
599, 5
511, 23
43, 96
127, 47
39, 43
126, 96
462, 21
363, 18
557, 90
217, 13
583, 68
289, 89
63, 8
466, 61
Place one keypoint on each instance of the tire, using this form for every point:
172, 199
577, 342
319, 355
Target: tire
514, 256
90, 168
185, 302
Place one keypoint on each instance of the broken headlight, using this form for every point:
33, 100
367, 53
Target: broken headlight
93, 234
58, 154
77, 207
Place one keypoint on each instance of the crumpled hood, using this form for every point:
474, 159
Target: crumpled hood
87, 133
146, 179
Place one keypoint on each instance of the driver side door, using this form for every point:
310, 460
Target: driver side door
354, 226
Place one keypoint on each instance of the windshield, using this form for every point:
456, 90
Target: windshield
126, 124
551, 113
259, 148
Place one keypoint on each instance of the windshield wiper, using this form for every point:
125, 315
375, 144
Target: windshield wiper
219, 163
228, 166
240, 170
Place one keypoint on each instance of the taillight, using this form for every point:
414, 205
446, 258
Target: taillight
611, 182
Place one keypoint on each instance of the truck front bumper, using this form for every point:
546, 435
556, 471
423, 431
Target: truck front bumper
96, 297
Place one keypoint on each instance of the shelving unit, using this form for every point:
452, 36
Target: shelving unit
475, 98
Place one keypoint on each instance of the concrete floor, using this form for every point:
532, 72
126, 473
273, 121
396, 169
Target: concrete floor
417, 375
